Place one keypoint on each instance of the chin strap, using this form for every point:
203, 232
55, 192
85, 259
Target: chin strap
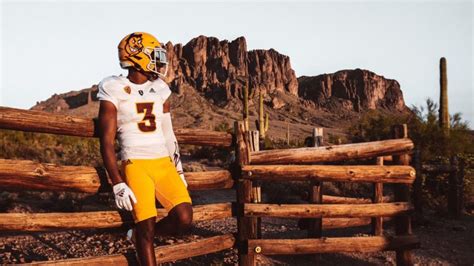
172, 144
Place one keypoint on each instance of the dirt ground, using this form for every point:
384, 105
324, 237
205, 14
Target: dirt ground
443, 242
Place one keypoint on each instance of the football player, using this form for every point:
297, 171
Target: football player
136, 110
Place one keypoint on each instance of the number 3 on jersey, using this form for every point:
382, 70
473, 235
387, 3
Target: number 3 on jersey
148, 123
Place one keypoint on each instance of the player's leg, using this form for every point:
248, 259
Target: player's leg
172, 193
144, 211
145, 234
178, 221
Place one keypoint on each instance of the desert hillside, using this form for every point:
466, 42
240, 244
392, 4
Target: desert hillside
207, 77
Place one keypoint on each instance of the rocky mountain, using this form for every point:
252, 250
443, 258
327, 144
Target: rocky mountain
353, 90
219, 70
208, 77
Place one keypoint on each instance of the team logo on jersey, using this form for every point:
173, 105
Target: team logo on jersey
141, 92
152, 90
127, 89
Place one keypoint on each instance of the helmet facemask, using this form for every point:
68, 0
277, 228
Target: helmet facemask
158, 59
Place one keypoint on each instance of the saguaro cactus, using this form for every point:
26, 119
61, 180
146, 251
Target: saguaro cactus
262, 122
443, 96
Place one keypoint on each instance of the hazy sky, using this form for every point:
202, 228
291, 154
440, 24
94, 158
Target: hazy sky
54, 47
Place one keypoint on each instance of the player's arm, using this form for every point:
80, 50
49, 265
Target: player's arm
171, 141
108, 129
107, 132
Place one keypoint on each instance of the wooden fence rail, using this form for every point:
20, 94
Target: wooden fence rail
339, 173
332, 153
331, 245
163, 254
97, 219
327, 210
328, 199
23, 174
38, 121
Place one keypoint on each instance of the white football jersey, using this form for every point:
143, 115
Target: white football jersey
139, 115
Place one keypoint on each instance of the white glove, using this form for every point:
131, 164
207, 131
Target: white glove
184, 179
122, 196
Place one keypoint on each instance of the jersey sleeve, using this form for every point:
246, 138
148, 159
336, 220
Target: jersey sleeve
106, 92
164, 92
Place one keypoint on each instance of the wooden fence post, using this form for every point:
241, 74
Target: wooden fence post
246, 226
317, 137
254, 138
377, 222
315, 228
402, 194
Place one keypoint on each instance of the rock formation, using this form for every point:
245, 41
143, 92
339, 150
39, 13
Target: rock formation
220, 69
352, 90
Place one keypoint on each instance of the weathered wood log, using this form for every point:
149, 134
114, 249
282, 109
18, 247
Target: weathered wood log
330, 210
327, 199
402, 193
331, 245
163, 254
203, 137
338, 173
97, 219
377, 222
315, 229
209, 180
334, 223
29, 175
38, 121
332, 153
20, 175
254, 145
246, 226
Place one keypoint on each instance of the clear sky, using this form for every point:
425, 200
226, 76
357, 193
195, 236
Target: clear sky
54, 47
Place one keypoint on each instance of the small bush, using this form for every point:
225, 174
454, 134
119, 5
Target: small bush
435, 146
49, 148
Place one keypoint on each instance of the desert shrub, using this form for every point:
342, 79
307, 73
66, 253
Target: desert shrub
336, 139
435, 146
224, 127
49, 148
423, 129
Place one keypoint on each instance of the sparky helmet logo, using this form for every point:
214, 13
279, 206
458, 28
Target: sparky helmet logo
134, 44
127, 89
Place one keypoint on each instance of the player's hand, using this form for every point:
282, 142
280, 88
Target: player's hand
123, 194
184, 179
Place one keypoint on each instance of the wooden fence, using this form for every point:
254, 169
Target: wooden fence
273, 166
250, 168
